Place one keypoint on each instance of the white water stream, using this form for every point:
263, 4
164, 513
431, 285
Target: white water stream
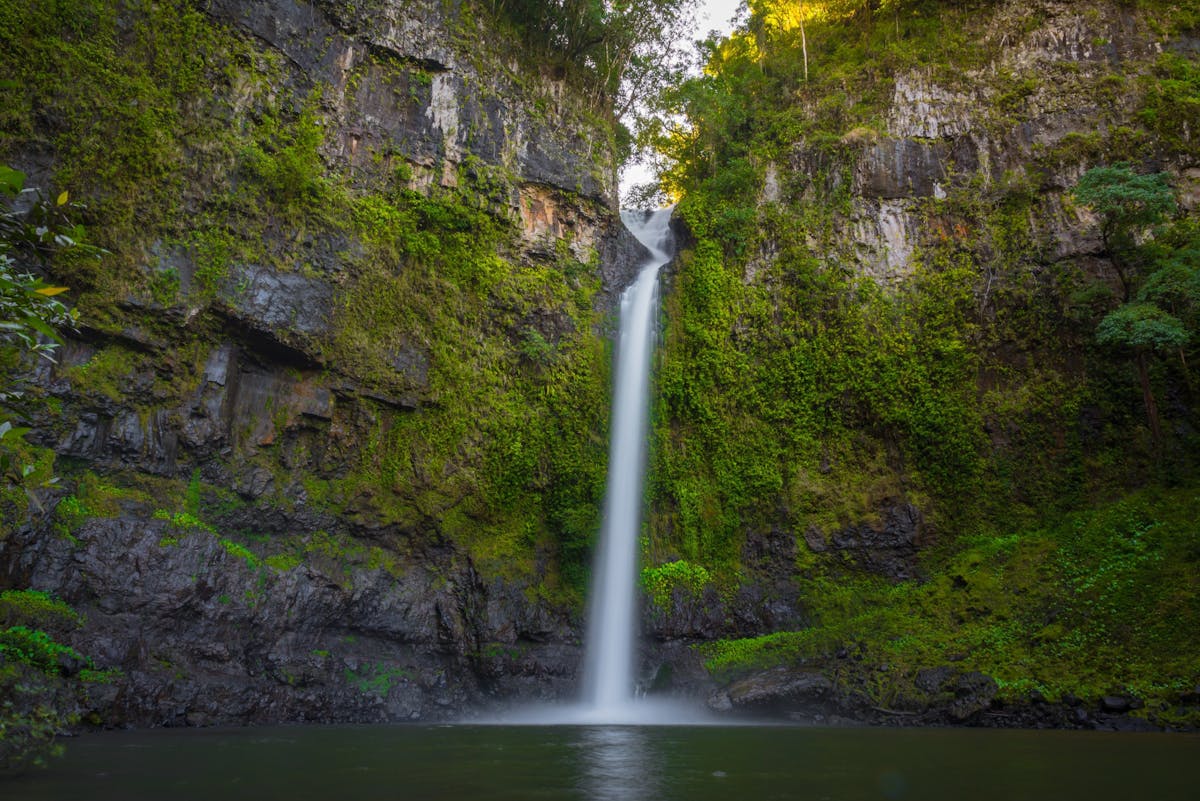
609, 684
608, 672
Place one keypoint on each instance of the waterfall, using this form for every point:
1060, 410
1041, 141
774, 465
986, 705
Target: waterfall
612, 632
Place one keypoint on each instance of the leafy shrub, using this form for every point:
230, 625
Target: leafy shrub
662, 581
36, 608
36, 648
241, 552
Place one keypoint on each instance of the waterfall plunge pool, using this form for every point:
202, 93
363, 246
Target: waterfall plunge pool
614, 763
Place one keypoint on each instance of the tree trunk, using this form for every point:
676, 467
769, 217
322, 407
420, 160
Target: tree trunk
1148, 399
803, 43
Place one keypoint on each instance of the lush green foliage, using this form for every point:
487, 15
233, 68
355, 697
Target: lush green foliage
795, 393
28, 307
618, 51
1129, 205
1141, 326
33, 231
758, 406
42, 680
662, 582
435, 308
980, 383
1098, 602
35, 648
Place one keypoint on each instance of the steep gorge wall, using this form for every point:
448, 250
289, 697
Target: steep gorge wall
881, 390
331, 434
948, 187
1066, 95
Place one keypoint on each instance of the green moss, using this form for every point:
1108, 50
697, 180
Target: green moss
106, 374
117, 98
283, 562
662, 582
69, 515
377, 678
436, 308
240, 551
94, 497
35, 648
1171, 103
344, 555
19, 500
41, 678
183, 522
284, 160
1097, 603
36, 609
191, 501
778, 388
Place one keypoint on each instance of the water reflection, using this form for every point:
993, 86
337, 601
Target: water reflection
618, 764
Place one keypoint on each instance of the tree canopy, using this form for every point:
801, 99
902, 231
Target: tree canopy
1159, 279
621, 47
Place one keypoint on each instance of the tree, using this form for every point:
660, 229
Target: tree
1144, 329
623, 48
1151, 276
29, 309
1128, 204
32, 230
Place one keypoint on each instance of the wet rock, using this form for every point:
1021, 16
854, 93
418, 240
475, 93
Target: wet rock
412, 364
1115, 703
885, 233
510, 617
277, 303
621, 254
1126, 723
973, 693
203, 637
69, 664
720, 702
780, 689
933, 680
922, 108
900, 168
457, 108
888, 547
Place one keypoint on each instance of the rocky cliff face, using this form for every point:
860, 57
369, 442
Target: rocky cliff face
1032, 119
313, 395
332, 434
883, 339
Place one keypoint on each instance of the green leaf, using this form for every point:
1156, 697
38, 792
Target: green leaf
9, 431
1141, 326
11, 181
41, 328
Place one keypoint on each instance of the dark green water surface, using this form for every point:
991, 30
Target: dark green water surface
482, 763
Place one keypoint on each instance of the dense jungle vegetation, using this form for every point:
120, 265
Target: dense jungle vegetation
1006, 391
134, 100
193, 157
1038, 409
